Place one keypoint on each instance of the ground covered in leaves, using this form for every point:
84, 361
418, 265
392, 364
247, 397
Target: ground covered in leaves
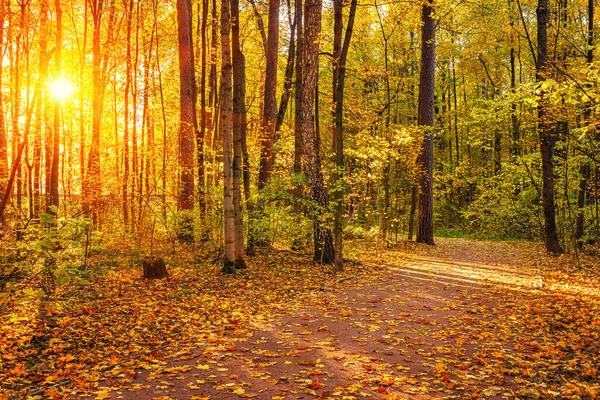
465, 319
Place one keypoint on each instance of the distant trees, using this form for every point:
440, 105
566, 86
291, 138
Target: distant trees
505, 119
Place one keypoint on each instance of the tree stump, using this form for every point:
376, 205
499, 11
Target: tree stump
155, 268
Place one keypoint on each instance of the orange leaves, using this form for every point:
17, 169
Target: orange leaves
315, 384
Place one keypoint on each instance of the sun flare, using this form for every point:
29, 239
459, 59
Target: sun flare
60, 89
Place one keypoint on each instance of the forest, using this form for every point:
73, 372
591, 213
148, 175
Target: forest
253, 198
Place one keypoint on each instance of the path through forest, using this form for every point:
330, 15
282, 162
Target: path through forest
466, 319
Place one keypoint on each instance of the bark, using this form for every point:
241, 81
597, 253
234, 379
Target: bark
154, 268
125, 186
338, 134
212, 82
547, 134
41, 112
584, 167
298, 150
187, 117
324, 252
426, 120
269, 114
82, 105
239, 128
414, 197
203, 116
227, 134
92, 184
3, 134
54, 194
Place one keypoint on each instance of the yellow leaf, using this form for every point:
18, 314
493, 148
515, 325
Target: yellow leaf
103, 394
239, 391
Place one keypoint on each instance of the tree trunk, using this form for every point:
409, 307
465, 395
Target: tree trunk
324, 252
584, 168
338, 134
426, 120
43, 107
93, 182
298, 149
187, 119
239, 128
125, 186
54, 194
229, 255
203, 117
414, 197
269, 115
3, 135
547, 134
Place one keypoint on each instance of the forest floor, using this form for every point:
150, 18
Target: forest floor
464, 319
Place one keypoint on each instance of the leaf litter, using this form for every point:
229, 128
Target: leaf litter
462, 320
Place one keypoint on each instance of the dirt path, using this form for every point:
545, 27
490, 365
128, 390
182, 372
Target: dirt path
432, 323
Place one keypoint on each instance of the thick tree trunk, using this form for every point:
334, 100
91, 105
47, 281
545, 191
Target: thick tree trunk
426, 120
547, 134
324, 252
187, 119
269, 114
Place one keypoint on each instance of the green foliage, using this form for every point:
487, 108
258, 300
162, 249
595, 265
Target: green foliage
274, 219
506, 206
184, 225
53, 249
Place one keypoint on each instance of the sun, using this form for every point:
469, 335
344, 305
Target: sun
60, 89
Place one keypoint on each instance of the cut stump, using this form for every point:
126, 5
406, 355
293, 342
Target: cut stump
155, 268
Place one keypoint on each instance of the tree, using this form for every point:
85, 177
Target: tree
200, 140
324, 252
299, 93
54, 194
126, 122
3, 133
187, 118
93, 183
584, 168
269, 114
339, 78
426, 120
226, 121
239, 130
547, 134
